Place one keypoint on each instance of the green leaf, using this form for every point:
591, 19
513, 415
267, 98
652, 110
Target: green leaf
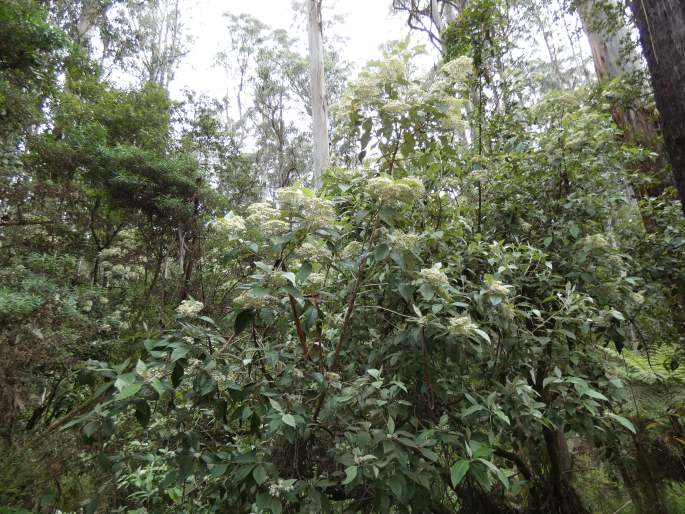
159, 386
375, 373
124, 380
304, 272
350, 474
596, 395
471, 410
483, 334
141, 368
623, 421
90, 428
407, 292
259, 292
501, 476
426, 291
219, 469
381, 252
128, 391
391, 425
290, 276
276, 405
259, 474
429, 454
243, 320
179, 352
458, 471
288, 419
397, 484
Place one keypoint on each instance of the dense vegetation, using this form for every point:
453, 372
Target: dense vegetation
479, 311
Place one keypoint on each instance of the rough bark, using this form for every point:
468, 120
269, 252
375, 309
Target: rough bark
318, 92
608, 37
661, 24
558, 494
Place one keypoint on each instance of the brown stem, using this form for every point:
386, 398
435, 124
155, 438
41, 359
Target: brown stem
355, 291
298, 326
427, 372
350, 309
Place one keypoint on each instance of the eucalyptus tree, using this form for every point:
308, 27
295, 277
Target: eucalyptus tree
430, 16
320, 143
159, 39
616, 57
661, 24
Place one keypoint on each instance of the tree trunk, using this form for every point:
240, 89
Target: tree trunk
318, 92
561, 497
608, 37
661, 24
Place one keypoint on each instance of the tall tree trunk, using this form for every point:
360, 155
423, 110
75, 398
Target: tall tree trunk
318, 92
661, 24
90, 11
608, 37
561, 497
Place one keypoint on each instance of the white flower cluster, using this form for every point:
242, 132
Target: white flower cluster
273, 227
114, 251
313, 251
390, 190
87, 305
435, 277
119, 271
281, 487
395, 107
319, 213
259, 213
453, 119
462, 326
290, 198
189, 308
332, 376
405, 240
315, 281
314, 211
596, 242
352, 250
231, 224
277, 279
360, 460
248, 300
393, 70
457, 70
499, 288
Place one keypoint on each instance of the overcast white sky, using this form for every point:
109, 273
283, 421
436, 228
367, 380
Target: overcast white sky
367, 24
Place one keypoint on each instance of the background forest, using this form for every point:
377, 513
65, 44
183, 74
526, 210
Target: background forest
479, 307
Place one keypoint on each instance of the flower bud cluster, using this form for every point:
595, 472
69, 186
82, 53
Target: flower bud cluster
391, 190
280, 487
189, 308
231, 224
435, 277
462, 326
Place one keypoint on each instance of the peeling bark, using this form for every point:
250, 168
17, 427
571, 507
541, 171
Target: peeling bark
661, 24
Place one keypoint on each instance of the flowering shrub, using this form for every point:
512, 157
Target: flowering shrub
388, 340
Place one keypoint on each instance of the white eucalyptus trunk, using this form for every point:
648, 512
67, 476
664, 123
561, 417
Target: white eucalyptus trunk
318, 92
